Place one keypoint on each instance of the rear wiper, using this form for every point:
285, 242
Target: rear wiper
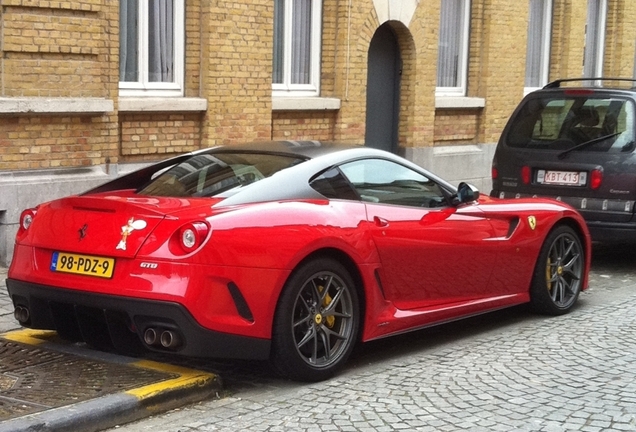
587, 143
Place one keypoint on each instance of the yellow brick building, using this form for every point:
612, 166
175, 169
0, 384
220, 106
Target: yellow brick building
93, 88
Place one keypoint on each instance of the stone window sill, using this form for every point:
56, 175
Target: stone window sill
305, 104
162, 104
42, 105
459, 102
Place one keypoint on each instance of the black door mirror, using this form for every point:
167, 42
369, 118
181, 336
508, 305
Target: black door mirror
466, 193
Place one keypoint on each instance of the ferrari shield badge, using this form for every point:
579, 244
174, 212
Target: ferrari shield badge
131, 226
532, 221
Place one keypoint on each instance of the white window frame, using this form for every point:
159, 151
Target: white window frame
546, 42
595, 70
462, 67
286, 88
144, 87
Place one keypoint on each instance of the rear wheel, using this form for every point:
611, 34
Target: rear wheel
558, 275
317, 321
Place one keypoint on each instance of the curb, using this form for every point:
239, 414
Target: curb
107, 411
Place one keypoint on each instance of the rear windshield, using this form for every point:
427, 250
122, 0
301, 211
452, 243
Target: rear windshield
588, 123
219, 174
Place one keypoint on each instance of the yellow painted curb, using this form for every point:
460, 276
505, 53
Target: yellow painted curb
29, 337
187, 378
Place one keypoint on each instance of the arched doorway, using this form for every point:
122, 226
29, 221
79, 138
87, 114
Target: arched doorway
383, 90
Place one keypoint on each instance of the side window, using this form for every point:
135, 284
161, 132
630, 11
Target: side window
333, 184
151, 47
386, 182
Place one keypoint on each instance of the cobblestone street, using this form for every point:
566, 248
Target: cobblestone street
505, 371
509, 370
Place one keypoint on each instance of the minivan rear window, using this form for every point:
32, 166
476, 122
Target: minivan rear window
593, 124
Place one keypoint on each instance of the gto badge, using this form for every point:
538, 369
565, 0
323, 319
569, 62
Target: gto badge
129, 228
532, 221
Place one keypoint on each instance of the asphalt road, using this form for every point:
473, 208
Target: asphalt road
505, 371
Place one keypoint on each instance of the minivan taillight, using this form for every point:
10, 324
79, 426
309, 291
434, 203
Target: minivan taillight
596, 178
494, 173
526, 175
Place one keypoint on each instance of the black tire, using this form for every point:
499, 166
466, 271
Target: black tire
316, 323
558, 274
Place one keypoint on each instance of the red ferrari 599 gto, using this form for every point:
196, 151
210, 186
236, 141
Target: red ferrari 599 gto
288, 251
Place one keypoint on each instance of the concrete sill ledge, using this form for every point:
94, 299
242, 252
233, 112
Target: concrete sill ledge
459, 102
162, 104
40, 105
305, 103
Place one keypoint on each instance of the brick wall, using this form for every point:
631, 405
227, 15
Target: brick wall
237, 65
70, 49
53, 48
318, 125
159, 134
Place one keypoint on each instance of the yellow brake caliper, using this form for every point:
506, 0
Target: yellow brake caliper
330, 320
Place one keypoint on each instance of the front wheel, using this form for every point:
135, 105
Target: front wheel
558, 275
317, 321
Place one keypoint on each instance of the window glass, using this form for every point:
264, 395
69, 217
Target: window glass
453, 47
217, 174
386, 182
594, 124
538, 47
296, 57
595, 38
151, 47
333, 184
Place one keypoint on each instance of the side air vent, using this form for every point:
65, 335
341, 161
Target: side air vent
240, 303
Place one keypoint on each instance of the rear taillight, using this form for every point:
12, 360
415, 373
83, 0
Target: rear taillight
189, 238
26, 219
526, 175
494, 173
596, 178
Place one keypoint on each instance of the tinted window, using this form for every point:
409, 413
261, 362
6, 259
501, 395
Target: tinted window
333, 184
595, 124
213, 174
386, 182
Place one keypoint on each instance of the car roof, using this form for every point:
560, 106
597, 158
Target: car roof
291, 183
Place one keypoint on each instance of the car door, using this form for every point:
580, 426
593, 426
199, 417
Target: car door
431, 252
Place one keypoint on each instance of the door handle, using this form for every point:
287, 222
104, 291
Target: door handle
380, 221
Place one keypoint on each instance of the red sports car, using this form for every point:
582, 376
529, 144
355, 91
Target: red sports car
292, 251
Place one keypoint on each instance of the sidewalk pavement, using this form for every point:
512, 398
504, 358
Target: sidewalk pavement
51, 385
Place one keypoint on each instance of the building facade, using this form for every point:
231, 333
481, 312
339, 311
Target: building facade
93, 88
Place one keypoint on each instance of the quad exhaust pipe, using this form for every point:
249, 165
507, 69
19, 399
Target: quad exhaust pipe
162, 338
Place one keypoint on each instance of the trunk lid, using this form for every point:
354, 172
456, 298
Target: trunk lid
114, 226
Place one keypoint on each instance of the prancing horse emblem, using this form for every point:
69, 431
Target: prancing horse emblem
82, 232
532, 221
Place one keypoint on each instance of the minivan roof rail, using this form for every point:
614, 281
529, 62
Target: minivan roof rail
557, 83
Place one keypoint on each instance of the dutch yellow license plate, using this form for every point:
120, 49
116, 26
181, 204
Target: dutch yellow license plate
82, 264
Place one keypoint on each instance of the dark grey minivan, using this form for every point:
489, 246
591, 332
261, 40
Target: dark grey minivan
575, 144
